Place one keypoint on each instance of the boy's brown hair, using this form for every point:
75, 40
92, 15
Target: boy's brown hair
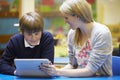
31, 22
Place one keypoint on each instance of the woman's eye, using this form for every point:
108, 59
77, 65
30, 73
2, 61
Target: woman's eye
66, 17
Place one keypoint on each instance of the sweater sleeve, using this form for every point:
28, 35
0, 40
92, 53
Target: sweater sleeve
100, 56
47, 46
7, 58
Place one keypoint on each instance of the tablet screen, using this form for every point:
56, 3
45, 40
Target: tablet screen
30, 67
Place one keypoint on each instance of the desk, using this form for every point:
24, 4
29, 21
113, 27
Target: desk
61, 60
9, 77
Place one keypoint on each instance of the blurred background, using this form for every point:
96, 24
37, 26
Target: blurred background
104, 11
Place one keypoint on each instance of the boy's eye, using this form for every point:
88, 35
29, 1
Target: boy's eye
36, 33
29, 34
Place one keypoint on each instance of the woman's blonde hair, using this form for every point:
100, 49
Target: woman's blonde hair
31, 22
82, 9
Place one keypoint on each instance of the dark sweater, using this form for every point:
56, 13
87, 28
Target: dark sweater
16, 49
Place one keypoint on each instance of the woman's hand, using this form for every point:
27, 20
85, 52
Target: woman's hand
49, 68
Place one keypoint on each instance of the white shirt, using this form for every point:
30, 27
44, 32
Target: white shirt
28, 45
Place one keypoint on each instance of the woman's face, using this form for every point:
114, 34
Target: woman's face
32, 38
71, 20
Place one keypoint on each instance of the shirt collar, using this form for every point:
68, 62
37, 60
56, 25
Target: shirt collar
28, 45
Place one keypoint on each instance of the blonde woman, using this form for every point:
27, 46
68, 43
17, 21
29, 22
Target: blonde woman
89, 43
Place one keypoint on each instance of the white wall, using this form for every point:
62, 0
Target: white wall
108, 11
26, 6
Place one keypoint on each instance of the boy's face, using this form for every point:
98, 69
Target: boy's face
33, 38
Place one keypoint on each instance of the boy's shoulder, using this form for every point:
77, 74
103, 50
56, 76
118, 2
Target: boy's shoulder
46, 34
17, 35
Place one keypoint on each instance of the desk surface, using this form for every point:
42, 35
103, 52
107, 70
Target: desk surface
9, 77
61, 60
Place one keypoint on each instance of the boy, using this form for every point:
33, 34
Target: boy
31, 42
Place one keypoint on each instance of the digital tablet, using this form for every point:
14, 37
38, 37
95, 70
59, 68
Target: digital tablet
30, 67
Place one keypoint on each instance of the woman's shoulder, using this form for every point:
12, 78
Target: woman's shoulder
100, 32
98, 27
